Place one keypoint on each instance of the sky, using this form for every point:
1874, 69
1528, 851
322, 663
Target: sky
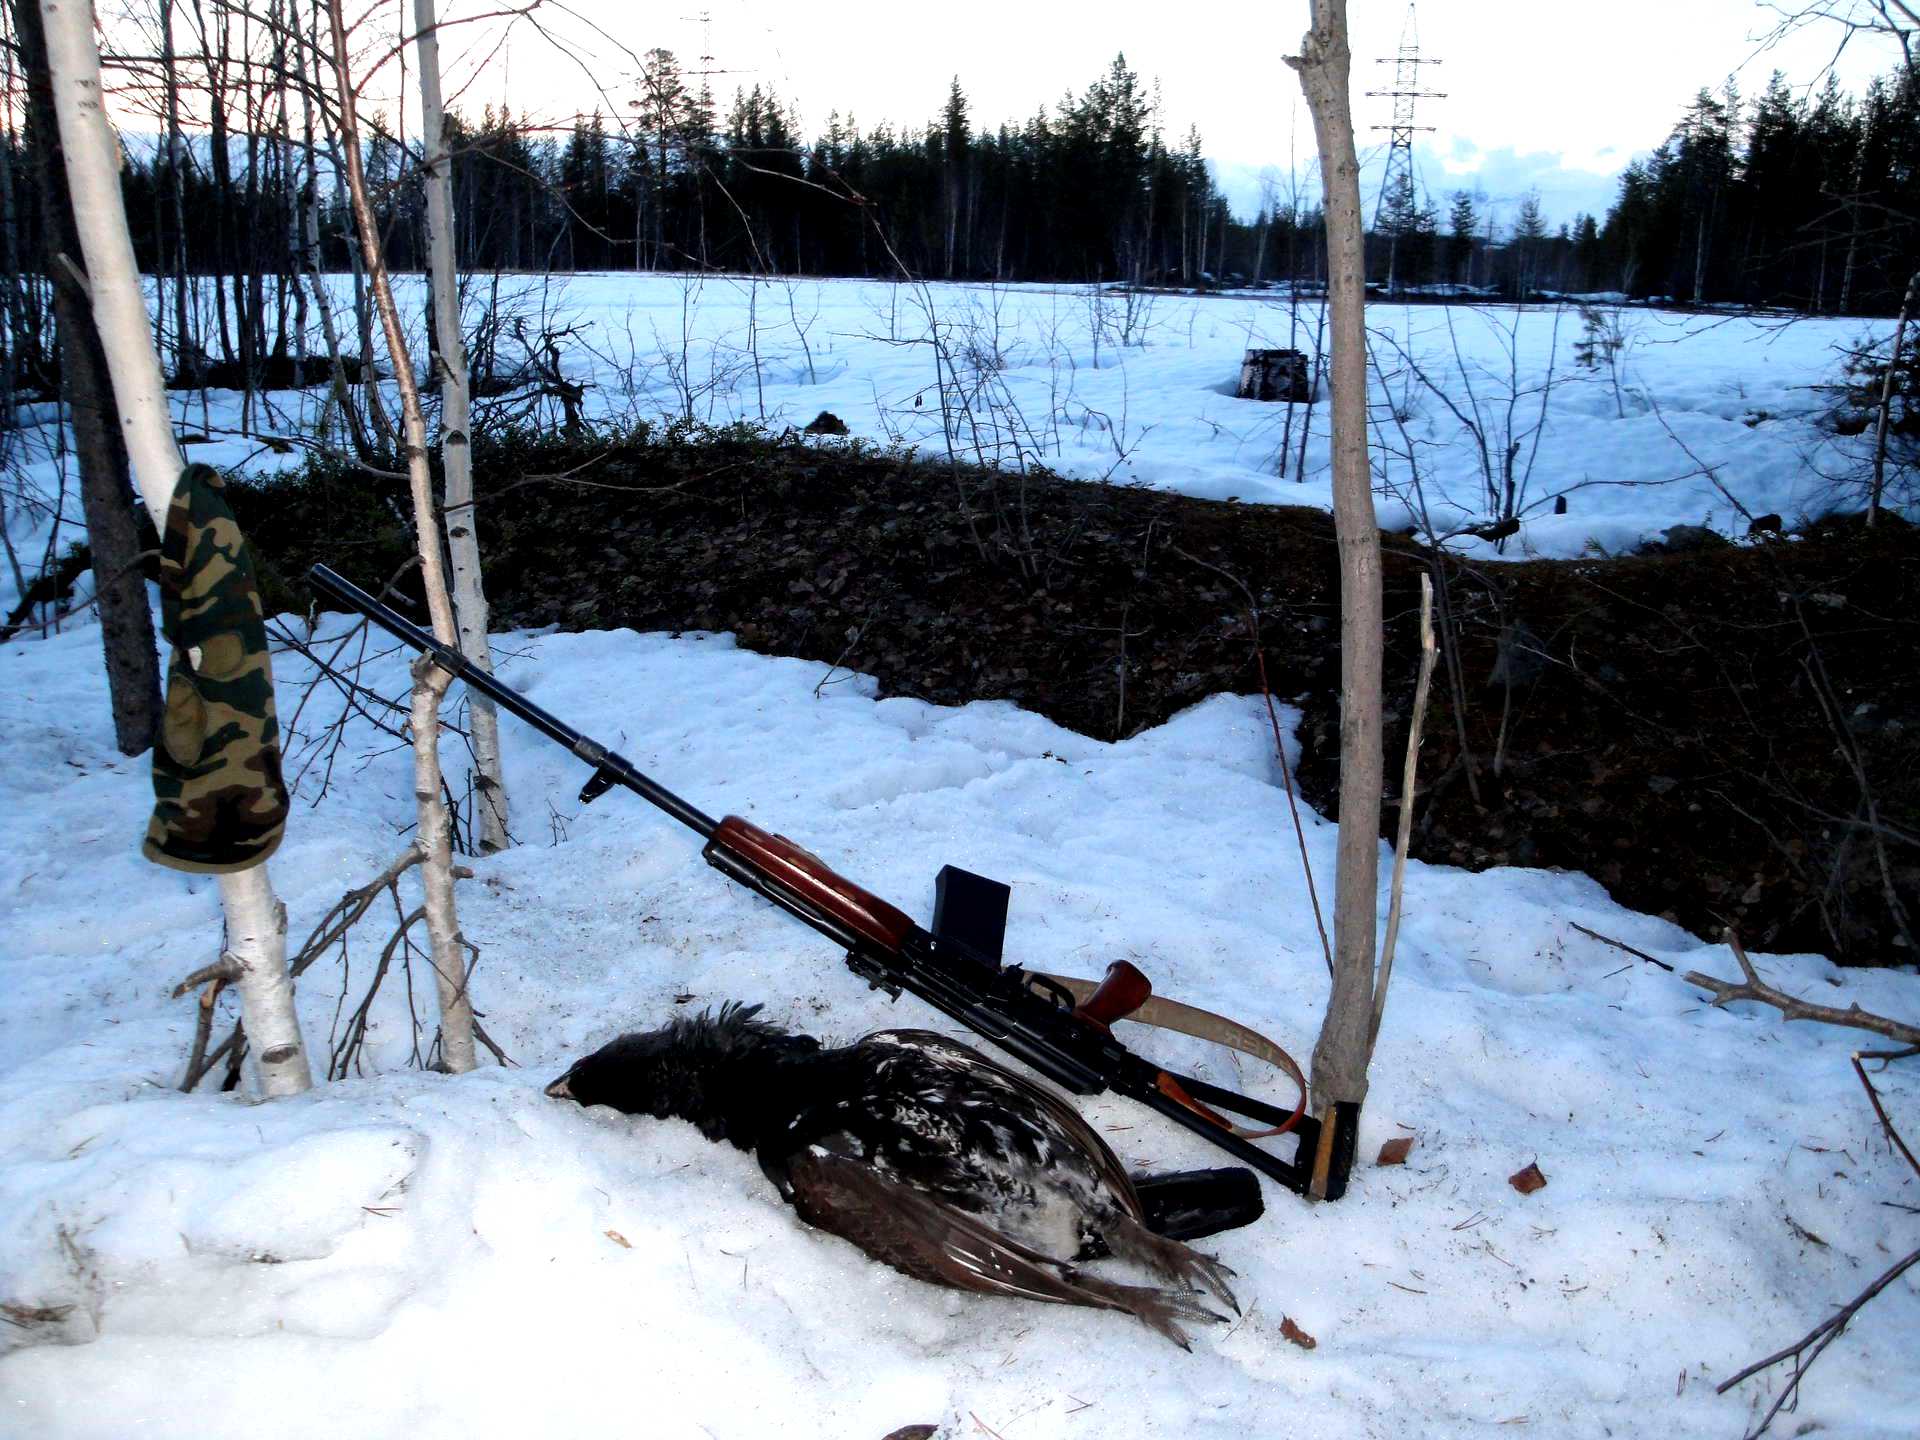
1538, 93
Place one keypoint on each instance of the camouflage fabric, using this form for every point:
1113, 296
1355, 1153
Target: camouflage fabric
220, 803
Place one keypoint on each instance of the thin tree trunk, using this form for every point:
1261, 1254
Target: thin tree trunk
1886, 401
256, 921
187, 352
456, 452
13, 332
1341, 1055
447, 946
106, 493
20, 352
220, 158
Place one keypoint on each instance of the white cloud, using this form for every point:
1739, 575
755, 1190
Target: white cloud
1499, 178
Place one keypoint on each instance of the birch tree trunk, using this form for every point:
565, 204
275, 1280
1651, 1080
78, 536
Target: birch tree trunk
1879, 486
456, 451
256, 920
1341, 1055
106, 499
448, 948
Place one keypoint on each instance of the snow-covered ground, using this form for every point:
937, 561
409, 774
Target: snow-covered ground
404, 1253
1696, 413
408, 1254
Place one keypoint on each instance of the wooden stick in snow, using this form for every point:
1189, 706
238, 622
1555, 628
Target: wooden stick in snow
1404, 837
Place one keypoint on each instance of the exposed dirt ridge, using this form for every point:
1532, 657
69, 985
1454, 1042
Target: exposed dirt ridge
1693, 730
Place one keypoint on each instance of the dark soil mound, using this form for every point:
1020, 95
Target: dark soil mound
1729, 737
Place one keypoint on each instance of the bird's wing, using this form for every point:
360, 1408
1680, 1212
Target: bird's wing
1106, 1164
920, 1236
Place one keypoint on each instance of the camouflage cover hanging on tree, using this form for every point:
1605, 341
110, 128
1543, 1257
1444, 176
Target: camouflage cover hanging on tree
220, 803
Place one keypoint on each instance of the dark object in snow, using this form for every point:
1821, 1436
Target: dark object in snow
1559, 504
1492, 529
826, 423
1686, 540
273, 372
1765, 524
924, 1153
1192, 1204
1275, 375
1528, 1180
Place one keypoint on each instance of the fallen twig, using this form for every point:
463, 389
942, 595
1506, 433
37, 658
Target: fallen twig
224, 970
1815, 1341
1893, 1135
1619, 945
1790, 1008
198, 1064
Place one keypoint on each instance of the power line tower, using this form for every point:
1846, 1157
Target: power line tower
706, 72
1394, 211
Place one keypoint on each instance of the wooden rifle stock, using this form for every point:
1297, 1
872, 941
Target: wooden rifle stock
1123, 991
808, 878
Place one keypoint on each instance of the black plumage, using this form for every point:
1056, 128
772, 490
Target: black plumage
926, 1154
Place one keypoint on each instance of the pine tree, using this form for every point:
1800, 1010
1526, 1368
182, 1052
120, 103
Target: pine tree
955, 147
1528, 248
1463, 220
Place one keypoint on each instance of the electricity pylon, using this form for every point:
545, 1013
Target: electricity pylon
1394, 210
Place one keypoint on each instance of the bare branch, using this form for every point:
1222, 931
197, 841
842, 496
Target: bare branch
1620, 945
1724, 992
1815, 1341
1893, 1135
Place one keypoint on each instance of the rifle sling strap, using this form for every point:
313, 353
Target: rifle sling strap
1164, 1014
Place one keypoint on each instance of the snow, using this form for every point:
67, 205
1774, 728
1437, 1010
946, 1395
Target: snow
437, 1256
1139, 389
420, 1255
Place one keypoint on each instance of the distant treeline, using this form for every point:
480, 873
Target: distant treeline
1088, 190
1792, 200
1809, 203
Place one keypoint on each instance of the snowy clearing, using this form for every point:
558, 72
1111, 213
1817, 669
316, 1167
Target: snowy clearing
464, 1256
1698, 412
434, 1256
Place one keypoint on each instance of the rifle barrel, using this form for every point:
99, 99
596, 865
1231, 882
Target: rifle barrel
617, 769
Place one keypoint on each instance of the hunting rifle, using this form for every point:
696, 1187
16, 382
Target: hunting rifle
1059, 1026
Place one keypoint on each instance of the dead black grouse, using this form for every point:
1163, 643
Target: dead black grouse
924, 1153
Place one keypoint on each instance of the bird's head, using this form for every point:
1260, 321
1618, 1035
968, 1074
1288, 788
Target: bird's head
688, 1069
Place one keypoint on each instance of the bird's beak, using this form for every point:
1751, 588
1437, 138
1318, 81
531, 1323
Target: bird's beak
558, 1090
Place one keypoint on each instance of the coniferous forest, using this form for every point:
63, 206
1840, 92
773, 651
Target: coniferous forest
1790, 199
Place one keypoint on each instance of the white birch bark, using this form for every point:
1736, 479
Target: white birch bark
1340, 1057
447, 947
256, 921
1879, 487
456, 453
